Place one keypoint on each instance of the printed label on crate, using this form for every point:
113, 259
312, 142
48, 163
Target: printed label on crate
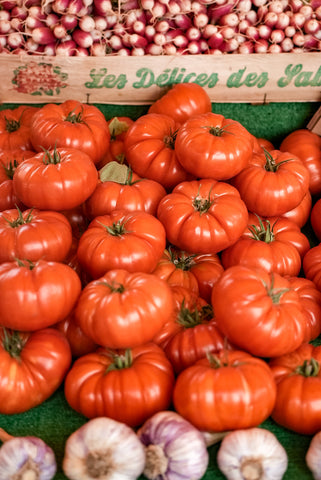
254, 78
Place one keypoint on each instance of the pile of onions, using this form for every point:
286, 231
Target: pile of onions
159, 27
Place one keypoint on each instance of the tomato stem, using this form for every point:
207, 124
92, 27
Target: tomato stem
169, 140
10, 168
263, 232
12, 342
120, 361
189, 319
309, 368
51, 157
180, 259
20, 220
12, 125
270, 164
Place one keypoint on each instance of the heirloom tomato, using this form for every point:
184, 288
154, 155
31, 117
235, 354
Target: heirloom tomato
80, 344
32, 365
71, 124
212, 146
259, 311
131, 240
150, 150
196, 272
15, 127
123, 309
119, 188
59, 179
128, 386
182, 101
118, 127
203, 216
33, 235
197, 334
298, 380
300, 214
273, 183
307, 146
9, 160
310, 297
273, 243
315, 219
36, 295
225, 391
312, 265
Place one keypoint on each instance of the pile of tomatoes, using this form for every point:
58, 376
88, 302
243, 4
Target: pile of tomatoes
159, 263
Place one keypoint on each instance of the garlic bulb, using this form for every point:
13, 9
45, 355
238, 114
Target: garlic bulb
313, 456
103, 449
252, 454
26, 458
175, 449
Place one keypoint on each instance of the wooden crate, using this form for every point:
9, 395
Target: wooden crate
255, 78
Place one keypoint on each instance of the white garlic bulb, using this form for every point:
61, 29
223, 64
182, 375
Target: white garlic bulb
252, 454
313, 456
103, 448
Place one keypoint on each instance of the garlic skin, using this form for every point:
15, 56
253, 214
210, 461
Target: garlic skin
313, 456
175, 449
252, 454
27, 458
103, 449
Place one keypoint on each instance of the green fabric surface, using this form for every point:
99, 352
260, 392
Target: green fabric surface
54, 420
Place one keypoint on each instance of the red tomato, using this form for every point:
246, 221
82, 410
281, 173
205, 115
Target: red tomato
59, 179
130, 192
310, 297
275, 244
307, 146
259, 311
262, 143
150, 150
33, 235
195, 272
298, 379
212, 146
312, 265
123, 309
197, 334
36, 295
227, 391
131, 240
300, 214
80, 344
9, 160
182, 101
15, 127
315, 219
128, 386
33, 365
71, 124
118, 127
203, 216
273, 183
77, 219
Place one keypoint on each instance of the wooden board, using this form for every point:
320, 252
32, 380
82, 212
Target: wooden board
255, 78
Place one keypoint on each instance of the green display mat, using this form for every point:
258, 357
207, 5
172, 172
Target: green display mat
54, 420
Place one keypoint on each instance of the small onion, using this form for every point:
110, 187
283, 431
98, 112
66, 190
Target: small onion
174, 448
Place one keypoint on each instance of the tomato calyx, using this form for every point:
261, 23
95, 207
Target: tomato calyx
114, 287
117, 229
309, 368
73, 117
120, 360
20, 220
12, 125
180, 259
190, 318
25, 263
53, 157
202, 205
275, 293
270, 163
12, 342
263, 232
169, 140
10, 168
